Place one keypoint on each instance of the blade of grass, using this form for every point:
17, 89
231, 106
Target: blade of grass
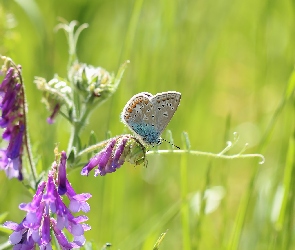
129, 39
286, 212
186, 240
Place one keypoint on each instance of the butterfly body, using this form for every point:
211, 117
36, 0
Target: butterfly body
147, 115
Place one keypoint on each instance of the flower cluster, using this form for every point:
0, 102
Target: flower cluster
90, 80
36, 227
12, 120
117, 150
84, 85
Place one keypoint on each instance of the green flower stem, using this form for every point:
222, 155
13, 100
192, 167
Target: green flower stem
76, 129
209, 154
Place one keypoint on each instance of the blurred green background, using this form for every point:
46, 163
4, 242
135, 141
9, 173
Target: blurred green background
231, 60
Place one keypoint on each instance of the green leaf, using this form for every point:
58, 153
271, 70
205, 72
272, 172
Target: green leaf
3, 216
159, 241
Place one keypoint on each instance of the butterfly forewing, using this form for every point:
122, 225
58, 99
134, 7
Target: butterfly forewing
135, 108
165, 105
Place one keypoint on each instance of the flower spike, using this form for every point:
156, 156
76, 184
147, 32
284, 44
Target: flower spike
47, 213
12, 120
117, 150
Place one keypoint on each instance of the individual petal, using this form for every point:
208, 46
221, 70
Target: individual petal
61, 238
63, 214
86, 227
7, 79
77, 230
117, 159
79, 240
15, 237
46, 230
33, 220
79, 219
10, 170
27, 243
51, 194
11, 225
16, 142
77, 201
75, 206
62, 174
35, 203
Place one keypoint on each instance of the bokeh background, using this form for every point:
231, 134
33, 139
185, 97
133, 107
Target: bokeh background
231, 60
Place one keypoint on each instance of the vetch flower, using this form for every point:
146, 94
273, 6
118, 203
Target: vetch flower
13, 121
47, 215
117, 150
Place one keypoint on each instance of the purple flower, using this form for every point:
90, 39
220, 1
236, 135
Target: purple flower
12, 120
62, 174
47, 213
117, 150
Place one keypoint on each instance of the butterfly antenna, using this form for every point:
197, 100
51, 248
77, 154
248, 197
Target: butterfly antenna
170, 143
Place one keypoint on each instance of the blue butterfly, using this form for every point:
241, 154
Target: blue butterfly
147, 115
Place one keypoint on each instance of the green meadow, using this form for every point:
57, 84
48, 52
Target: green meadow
233, 63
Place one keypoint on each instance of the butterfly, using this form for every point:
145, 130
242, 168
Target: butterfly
148, 115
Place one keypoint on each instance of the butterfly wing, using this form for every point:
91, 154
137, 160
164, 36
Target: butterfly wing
147, 115
135, 108
165, 105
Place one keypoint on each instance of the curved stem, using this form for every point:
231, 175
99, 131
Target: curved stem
218, 155
76, 129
